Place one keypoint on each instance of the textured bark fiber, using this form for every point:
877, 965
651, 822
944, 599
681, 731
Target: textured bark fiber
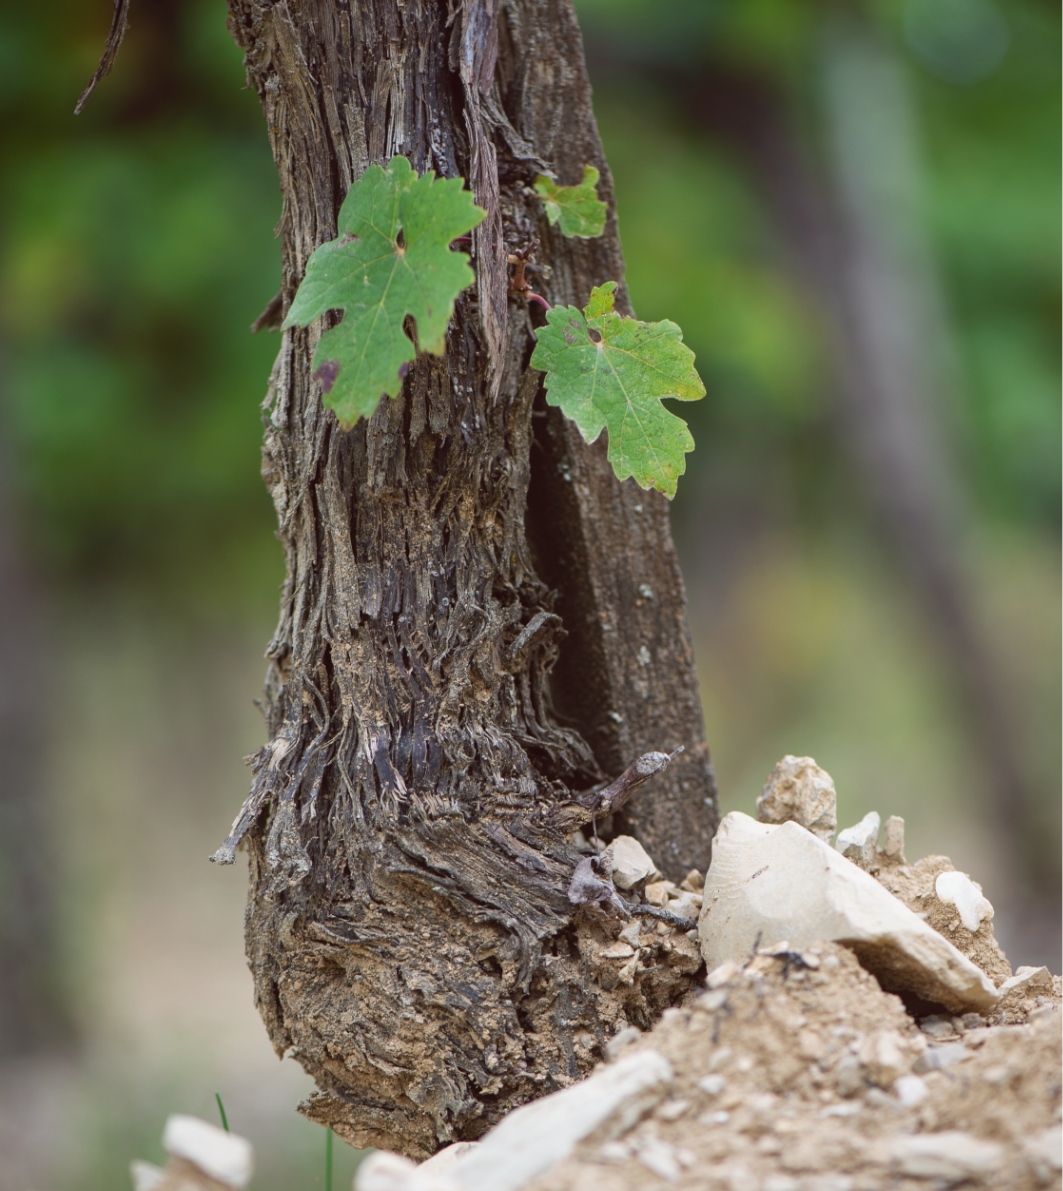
408, 926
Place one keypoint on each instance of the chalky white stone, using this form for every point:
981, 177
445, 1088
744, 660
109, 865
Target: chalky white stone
532, 1138
631, 862
224, 1156
949, 1156
769, 883
798, 791
966, 896
859, 842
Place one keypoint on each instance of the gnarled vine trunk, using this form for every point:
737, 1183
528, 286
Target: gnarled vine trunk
478, 623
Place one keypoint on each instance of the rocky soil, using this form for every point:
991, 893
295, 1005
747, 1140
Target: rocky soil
858, 1029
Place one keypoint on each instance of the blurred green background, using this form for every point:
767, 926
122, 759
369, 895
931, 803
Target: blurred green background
852, 209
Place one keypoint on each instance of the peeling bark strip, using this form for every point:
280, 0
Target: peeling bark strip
409, 929
115, 37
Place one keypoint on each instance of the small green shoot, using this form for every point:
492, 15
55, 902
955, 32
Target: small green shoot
328, 1160
221, 1110
578, 208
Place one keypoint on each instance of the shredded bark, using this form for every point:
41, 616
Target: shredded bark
441, 716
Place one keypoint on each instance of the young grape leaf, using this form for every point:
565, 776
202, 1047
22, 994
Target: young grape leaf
611, 373
391, 260
578, 208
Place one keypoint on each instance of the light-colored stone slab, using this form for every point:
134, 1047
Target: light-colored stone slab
770, 883
535, 1137
859, 843
224, 1156
146, 1176
1030, 980
893, 839
950, 1156
631, 862
798, 791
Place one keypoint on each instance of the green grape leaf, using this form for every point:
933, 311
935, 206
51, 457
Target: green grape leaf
392, 259
611, 373
578, 208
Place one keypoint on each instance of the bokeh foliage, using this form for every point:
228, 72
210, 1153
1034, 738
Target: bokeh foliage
137, 248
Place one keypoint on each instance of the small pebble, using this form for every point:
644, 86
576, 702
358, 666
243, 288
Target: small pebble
660, 1158
672, 1110
719, 1058
781, 1182
910, 1090
620, 1040
848, 1109
713, 1085
711, 1001
715, 1118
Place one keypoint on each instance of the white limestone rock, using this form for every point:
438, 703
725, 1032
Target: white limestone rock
770, 883
533, 1138
1028, 980
631, 862
893, 840
950, 1156
966, 896
384, 1171
146, 1176
859, 843
798, 791
224, 1156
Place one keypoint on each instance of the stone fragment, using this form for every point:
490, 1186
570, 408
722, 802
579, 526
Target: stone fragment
532, 1138
723, 974
626, 975
849, 1075
1028, 980
384, 1171
1045, 1152
883, 1058
660, 1159
687, 906
893, 840
937, 1026
621, 1039
940, 1058
781, 1182
672, 1110
224, 1156
448, 1157
951, 1156
859, 843
910, 1090
798, 791
769, 883
146, 1176
630, 933
966, 896
693, 882
618, 950
657, 892
712, 1000
631, 862
712, 1085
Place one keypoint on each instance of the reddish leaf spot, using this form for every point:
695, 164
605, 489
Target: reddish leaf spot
326, 374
